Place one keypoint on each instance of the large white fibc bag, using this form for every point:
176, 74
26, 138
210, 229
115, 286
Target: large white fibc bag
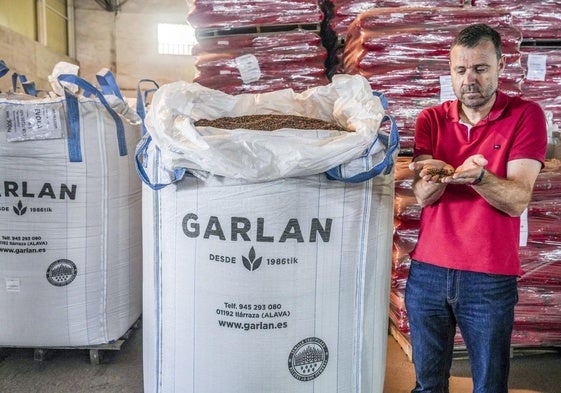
70, 229
276, 286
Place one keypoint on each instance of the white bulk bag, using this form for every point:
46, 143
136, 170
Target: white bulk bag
269, 287
70, 224
273, 284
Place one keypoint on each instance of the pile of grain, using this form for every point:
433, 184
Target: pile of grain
440, 172
270, 123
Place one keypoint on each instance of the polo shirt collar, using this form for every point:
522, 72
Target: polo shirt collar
496, 111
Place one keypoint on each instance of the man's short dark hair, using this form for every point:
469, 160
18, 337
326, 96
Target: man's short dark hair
472, 35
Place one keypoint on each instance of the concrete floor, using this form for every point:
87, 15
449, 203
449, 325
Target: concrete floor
70, 371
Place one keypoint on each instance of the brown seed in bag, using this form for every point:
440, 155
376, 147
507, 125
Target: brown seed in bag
270, 123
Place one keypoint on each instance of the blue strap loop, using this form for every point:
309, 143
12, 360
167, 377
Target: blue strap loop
27, 86
391, 141
15, 78
73, 109
108, 83
74, 115
3, 68
141, 165
142, 97
382, 97
141, 155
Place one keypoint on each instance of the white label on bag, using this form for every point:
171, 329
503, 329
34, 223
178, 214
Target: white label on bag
27, 122
536, 67
446, 90
524, 228
12, 285
249, 68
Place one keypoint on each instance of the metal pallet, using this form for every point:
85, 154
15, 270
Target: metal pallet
95, 351
201, 34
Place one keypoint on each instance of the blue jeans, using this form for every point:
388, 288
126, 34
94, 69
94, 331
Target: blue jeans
481, 305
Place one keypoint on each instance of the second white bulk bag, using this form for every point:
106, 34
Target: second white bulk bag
70, 224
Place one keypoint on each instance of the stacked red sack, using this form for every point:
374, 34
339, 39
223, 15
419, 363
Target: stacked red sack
542, 66
339, 15
404, 52
227, 14
538, 312
345, 11
237, 51
539, 23
292, 59
407, 213
535, 19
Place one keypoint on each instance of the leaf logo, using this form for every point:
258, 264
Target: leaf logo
251, 263
20, 209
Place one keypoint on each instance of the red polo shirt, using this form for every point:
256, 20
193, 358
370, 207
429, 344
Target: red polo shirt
461, 230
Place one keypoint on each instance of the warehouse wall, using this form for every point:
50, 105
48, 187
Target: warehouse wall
123, 41
26, 56
126, 42
19, 16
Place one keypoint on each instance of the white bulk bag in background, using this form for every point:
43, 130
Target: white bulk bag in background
263, 286
70, 225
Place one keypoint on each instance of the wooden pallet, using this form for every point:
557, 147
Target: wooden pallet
95, 351
460, 352
201, 34
403, 341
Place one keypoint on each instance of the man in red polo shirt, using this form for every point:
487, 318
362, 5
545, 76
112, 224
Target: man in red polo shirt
476, 160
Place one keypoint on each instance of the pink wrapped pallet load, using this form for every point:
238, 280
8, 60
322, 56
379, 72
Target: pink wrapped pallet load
70, 232
266, 253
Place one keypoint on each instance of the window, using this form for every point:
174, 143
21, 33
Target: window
175, 39
49, 22
20, 17
55, 19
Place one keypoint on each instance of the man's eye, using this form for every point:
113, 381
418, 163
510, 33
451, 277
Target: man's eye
480, 69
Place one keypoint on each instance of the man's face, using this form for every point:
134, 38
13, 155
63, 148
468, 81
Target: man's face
475, 73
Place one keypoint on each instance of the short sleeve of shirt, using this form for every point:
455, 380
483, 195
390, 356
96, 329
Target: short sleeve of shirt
531, 141
426, 123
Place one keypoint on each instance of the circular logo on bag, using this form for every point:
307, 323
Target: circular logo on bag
62, 272
308, 359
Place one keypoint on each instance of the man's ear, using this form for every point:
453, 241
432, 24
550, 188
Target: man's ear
502, 64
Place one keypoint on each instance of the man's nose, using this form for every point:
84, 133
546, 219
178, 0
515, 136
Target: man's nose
470, 76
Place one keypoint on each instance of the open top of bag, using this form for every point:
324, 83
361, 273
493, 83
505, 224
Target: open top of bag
256, 155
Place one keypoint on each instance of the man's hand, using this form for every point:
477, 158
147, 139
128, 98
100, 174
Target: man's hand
432, 171
470, 172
